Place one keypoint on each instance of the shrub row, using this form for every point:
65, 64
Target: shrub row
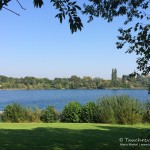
114, 110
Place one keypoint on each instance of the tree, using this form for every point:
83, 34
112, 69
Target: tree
14, 113
114, 77
136, 36
66, 8
74, 82
114, 74
89, 112
71, 112
49, 114
87, 82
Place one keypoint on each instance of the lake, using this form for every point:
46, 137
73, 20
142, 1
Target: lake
59, 98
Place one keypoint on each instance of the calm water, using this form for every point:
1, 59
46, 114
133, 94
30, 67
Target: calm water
59, 98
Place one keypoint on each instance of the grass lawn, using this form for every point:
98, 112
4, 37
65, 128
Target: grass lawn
68, 136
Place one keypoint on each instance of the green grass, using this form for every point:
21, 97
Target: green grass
66, 136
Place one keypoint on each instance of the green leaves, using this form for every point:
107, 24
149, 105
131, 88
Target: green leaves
14, 113
68, 10
120, 109
38, 3
49, 114
137, 37
4, 2
75, 23
139, 42
71, 112
1, 5
89, 112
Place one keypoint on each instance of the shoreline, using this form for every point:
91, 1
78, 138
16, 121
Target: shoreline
78, 89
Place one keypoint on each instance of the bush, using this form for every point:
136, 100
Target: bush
105, 110
33, 115
128, 110
120, 109
1, 116
49, 114
71, 112
116, 109
14, 113
146, 116
89, 112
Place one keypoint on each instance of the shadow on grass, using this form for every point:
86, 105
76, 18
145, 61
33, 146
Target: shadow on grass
101, 138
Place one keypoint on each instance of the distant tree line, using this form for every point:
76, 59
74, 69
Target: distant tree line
75, 82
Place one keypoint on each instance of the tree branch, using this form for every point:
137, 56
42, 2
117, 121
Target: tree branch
12, 11
20, 5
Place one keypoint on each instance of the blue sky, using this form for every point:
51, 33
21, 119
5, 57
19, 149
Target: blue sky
36, 44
